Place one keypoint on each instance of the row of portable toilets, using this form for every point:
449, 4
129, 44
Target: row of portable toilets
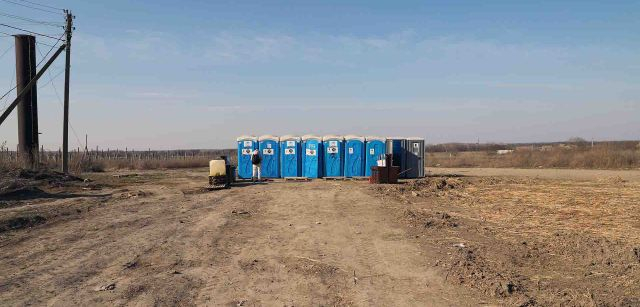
329, 156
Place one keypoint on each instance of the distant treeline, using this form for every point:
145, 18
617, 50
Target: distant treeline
599, 155
574, 142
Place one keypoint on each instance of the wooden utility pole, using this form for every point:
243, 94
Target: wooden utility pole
67, 69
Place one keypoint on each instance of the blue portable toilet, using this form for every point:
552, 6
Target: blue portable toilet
354, 156
333, 155
290, 156
246, 145
312, 156
376, 148
269, 151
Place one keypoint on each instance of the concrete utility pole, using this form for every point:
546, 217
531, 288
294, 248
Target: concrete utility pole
67, 69
28, 103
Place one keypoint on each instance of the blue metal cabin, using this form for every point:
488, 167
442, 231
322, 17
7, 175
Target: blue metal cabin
290, 156
354, 156
333, 155
269, 151
312, 156
376, 148
246, 144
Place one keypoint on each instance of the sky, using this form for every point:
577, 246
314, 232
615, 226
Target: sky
196, 74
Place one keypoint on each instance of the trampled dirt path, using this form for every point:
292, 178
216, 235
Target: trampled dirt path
157, 239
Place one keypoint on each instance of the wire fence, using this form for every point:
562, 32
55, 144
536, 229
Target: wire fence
100, 159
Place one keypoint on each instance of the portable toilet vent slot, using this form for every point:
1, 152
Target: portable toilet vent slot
269, 151
246, 145
312, 157
375, 150
290, 158
333, 155
354, 159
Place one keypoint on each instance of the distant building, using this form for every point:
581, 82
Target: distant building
504, 151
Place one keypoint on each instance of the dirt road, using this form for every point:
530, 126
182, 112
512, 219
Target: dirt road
158, 239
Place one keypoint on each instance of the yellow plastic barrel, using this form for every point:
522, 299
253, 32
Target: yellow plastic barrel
217, 168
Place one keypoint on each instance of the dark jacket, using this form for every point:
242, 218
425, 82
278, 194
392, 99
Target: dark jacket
256, 159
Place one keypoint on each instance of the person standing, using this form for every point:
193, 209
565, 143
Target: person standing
256, 161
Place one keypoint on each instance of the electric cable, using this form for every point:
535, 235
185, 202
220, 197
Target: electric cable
31, 32
31, 7
47, 23
59, 99
43, 5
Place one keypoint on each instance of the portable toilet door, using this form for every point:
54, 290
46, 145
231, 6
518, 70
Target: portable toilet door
396, 147
312, 156
290, 157
375, 150
354, 156
414, 148
270, 166
246, 145
333, 155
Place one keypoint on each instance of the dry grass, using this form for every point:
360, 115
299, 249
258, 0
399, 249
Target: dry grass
148, 164
559, 242
78, 165
599, 157
608, 207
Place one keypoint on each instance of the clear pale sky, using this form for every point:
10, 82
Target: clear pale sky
196, 74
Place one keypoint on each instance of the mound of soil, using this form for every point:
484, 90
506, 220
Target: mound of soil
19, 181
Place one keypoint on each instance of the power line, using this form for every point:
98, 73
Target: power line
7, 93
54, 45
5, 52
50, 78
20, 29
31, 7
13, 78
43, 5
58, 96
48, 45
46, 23
41, 60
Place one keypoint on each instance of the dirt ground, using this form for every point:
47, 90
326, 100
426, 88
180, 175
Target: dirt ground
159, 238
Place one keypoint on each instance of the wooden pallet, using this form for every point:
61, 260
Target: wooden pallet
297, 179
357, 178
334, 178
